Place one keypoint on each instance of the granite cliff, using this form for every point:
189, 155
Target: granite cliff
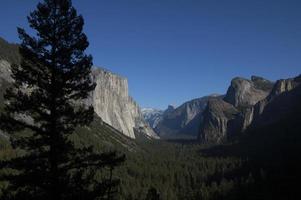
215, 125
245, 93
183, 122
110, 98
249, 104
5, 78
280, 103
226, 118
113, 104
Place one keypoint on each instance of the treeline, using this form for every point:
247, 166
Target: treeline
263, 165
179, 171
43, 107
50, 149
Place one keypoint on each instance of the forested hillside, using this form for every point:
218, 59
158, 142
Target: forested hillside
262, 165
71, 131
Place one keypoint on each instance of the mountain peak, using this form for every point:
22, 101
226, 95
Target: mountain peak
171, 107
244, 92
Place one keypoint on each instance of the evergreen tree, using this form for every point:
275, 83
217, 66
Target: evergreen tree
152, 194
45, 105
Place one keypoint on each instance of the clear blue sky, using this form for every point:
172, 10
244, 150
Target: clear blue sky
174, 50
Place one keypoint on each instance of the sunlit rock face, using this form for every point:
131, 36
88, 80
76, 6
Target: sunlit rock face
113, 104
5, 77
182, 122
227, 117
245, 93
5, 71
110, 99
285, 85
217, 119
249, 104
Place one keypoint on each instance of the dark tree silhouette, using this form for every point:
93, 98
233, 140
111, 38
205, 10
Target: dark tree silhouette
45, 105
152, 194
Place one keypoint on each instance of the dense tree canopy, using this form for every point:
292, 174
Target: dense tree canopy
46, 104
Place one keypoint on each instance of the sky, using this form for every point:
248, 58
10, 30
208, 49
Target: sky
172, 51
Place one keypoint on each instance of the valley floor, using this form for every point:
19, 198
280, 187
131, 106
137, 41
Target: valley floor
186, 170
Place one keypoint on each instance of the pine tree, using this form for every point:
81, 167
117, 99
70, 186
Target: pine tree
152, 194
45, 105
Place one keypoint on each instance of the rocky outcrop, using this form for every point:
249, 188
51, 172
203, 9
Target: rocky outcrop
113, 104
284, 85
284, 96
224, 119
5, 77
281, 87
183, 121
250, 104
245, 93
5, 71
216, 124
5, 80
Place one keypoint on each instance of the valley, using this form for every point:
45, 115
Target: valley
241, 145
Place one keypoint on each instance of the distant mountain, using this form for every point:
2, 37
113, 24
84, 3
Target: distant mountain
271, 144
214, 119
152, 116
249, 104
227, 117
183, 122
